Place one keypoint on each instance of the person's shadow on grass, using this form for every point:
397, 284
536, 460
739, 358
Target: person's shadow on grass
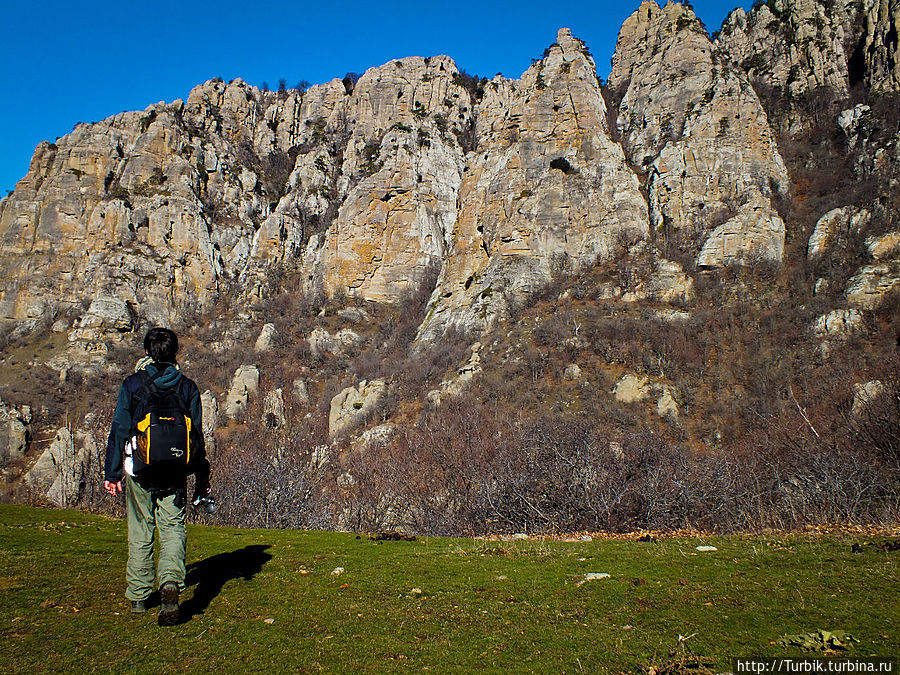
211, 575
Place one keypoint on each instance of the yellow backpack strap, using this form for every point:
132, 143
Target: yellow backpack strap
144, 423
187, 422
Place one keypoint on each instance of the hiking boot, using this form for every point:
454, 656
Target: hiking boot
168, 611
138, 607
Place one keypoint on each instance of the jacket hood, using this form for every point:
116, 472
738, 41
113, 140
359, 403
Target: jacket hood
165, 375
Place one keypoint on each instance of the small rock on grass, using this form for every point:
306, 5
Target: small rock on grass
593, 576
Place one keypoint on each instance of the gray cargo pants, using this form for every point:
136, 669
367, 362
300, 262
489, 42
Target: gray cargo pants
146, 513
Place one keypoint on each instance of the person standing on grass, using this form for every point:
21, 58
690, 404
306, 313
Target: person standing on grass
155, 442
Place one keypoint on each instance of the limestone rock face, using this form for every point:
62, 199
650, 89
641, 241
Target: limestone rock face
373, 190
300, 391
323, 342
402, 170
108, 312
464, 375
379, 436
692, 121
59, 472
353, 314
244, 383
798, 46
638, 388
666, 405
273, 409
13, 432
867, 289
93, 219
632, 388
882, 50
266, 336
572, 372
210, 407
546, 190
669, 283
160, 208
884, 247
793, 45
416, 179
874, 283
755, 233
838, 324
835, 328
651, 277
833, 228
354, 404
850, 121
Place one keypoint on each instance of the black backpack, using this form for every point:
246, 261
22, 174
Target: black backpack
163, 431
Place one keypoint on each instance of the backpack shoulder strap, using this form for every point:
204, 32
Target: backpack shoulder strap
184, 392
147, 380
140, 395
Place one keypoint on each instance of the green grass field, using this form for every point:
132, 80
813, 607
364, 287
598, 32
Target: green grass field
268, 601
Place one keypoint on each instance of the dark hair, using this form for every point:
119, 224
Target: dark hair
161, 345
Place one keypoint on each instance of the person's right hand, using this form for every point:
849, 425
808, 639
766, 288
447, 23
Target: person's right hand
112, 488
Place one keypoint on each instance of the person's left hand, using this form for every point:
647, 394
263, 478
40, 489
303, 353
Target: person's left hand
112, 488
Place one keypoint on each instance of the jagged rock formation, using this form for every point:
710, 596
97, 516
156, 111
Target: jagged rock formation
756, 233
300, 391
835, 328
13, 432
868, 288
693, 123
244, 384
884, 247
403, 166
882, 46
373, 188
273, 409
323, 342
266, 337
210, 408
794, 45
798, 46
153, 210
352, 405
833, 228
60, 472
652, 278
548, 189
464, 375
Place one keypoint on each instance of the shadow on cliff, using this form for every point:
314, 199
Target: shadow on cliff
211, 575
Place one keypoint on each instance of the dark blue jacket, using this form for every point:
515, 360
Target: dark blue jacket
166, 375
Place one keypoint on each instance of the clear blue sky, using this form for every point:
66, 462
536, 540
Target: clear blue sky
66, 62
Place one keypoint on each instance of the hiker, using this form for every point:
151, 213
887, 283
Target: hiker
156, 440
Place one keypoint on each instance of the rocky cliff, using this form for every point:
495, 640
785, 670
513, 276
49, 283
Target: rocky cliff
368, 187
798, 46
546, 190
695, 126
